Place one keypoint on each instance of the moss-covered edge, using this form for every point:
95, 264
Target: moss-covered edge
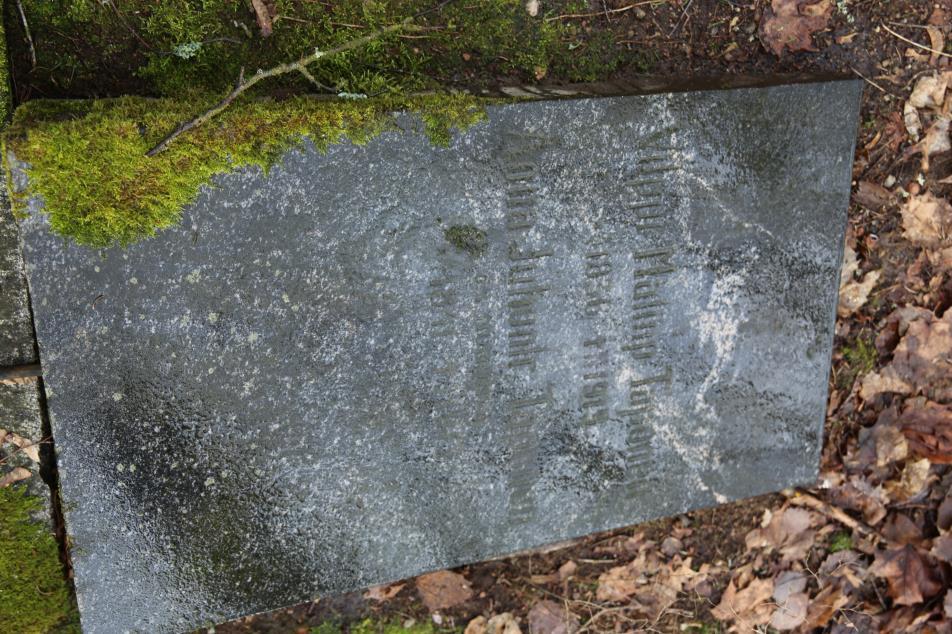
87, 160
35, 598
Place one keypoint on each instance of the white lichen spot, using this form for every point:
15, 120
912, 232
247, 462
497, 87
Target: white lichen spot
295, 308
133, 280
213, 318
132, 468
253, 337
211, 370
117, 396
285, 298
209, 482
120, 467
193, 277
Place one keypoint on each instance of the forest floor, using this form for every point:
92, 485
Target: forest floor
869, 547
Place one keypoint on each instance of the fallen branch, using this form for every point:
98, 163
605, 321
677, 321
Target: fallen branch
300, 66
26, 31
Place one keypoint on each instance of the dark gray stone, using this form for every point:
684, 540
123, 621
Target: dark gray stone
396, 358
16, 329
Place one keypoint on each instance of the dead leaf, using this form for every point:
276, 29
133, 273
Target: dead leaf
911, 580
532, 7
910, 118
549, 617
476, 626
899, 529
942, 548
751, 606
791, 613
928, 428
947, 604
26, 446
443, 589
937, 40
824, 606
16, 475
789, 24
787, 583
872, 196
384, 592
504, 623
929, 91
915, 477
936, 141
922, 362
927, 220
854, 294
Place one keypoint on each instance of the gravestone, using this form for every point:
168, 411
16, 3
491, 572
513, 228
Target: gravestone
396, 358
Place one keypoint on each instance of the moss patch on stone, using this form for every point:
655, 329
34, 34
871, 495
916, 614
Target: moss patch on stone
372, 626
34, 595
87, 159
467, 238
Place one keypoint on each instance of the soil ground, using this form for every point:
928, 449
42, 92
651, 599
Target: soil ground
687, 39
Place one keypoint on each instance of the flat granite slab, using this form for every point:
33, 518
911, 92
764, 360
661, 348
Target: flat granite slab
396, 358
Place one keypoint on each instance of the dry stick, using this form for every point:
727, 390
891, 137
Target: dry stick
291, 67
26, 30
605, 13
802, 498
917, 44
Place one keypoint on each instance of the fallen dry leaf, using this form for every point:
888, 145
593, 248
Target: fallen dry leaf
790, 24
791, 613
384, 592
928, 428
936, 141
910, 118
29, 448
504, 623
750, 606
927, 220
532, 7
929, 91
942, 548
922, 362
549, 617
263, 14
443, 589
872, 196
16, 475
915, 477
911, 579
854, 294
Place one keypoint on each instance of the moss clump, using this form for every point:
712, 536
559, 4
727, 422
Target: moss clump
840, 541
87, 159
34, 595
467, 238
860, 359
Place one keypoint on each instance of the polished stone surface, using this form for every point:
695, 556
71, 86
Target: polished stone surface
396, 358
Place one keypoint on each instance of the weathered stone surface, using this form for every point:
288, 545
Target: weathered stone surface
20, 415
396, 358
16, 331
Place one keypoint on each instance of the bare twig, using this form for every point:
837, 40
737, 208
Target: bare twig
802, 498
243, 84
606, 12
26, 31
868, 80
917, 44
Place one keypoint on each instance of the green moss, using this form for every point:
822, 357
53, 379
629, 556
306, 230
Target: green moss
34, 594
467, 238
860, 359
369, 626
87, 159
169, 47
840, 541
